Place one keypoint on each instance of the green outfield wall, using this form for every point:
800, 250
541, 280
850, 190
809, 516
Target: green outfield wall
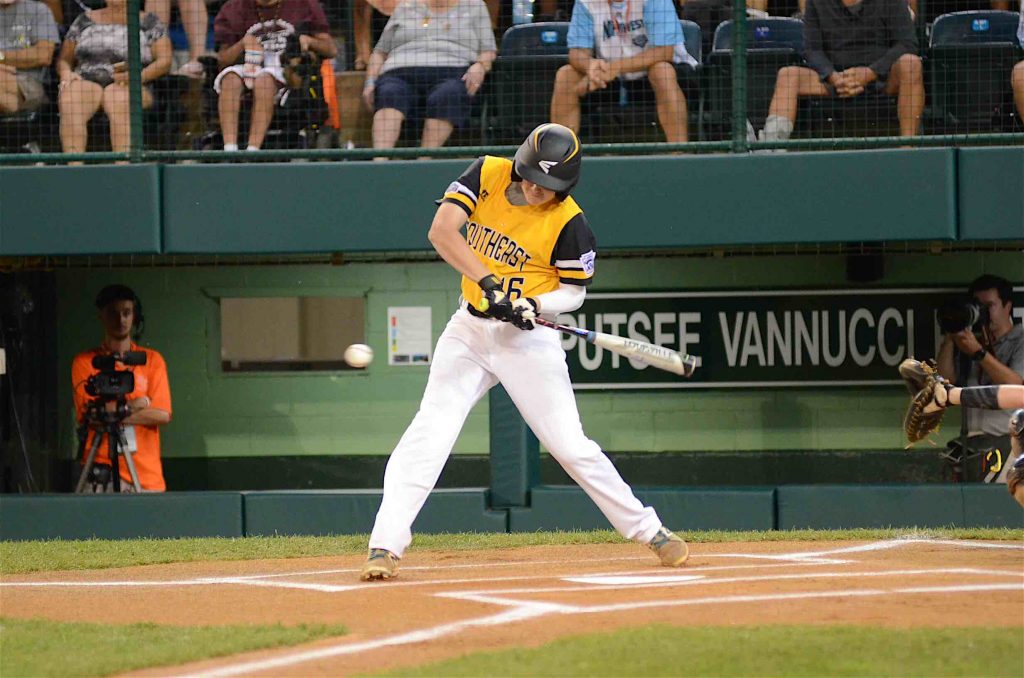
226, 514
634, 202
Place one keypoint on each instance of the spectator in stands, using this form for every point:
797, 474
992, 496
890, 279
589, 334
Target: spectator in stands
1017, 75
93, 72
149, 404
250, 36
429, 63
994, 356
852, 47
613, 45
195, 21
363, 22
28, 36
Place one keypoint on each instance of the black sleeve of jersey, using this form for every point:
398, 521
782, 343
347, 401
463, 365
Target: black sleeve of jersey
574, 252
465, 190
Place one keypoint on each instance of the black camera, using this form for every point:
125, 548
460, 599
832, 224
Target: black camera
111, 383
956, 315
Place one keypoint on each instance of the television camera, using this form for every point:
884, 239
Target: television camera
105, 415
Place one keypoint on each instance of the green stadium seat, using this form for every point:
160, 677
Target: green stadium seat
970, 56
523, 79
772, 43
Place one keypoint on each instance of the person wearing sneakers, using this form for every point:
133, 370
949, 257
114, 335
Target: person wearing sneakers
251, 36
528, 250
854, 47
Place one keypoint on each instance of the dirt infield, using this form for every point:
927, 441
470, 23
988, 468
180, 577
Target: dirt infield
447, 604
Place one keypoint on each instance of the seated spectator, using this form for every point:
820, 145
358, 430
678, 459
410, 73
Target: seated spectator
364, 22
617, 43
429, 63
195, 21
28, 36
1017, 75
93, 71
852, 47
250, 38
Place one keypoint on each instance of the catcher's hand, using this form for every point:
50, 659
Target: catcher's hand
928, 399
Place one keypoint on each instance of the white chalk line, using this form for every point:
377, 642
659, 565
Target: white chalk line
685, 580
243, 579
517, 613
980, 544
258, 581
798, 557
528, 610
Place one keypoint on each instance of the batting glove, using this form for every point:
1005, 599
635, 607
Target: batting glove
524, 310
495, 302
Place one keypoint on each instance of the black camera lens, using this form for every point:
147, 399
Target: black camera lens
956, 315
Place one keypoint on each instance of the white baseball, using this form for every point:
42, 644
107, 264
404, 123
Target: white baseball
358, 355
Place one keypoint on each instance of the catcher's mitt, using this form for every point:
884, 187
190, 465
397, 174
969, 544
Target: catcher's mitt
928, 399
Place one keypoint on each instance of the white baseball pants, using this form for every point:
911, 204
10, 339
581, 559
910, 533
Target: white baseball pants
472, 355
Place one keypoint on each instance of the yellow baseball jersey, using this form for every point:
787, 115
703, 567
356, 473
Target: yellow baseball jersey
531, 249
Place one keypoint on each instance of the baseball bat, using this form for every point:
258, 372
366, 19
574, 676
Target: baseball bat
649, 354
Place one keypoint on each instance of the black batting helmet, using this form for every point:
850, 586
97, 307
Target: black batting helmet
551, 157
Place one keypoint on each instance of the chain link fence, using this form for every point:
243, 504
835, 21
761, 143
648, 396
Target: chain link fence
232, 80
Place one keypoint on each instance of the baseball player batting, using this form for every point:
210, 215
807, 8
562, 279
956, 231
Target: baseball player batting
527, 250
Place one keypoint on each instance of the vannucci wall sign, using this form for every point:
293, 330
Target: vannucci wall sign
762, 338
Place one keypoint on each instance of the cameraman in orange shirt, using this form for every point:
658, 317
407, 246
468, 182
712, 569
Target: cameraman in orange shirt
148, 405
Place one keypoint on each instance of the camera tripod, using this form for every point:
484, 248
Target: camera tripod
113, 429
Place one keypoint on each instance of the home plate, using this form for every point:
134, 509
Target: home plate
626, 580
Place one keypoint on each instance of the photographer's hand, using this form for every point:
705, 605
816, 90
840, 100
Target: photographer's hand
966, 342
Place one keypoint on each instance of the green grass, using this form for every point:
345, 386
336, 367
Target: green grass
35, 647
755, 651
36, 556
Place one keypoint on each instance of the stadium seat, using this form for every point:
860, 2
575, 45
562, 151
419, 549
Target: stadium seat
30, 131
523, 78
772, 43
970, 57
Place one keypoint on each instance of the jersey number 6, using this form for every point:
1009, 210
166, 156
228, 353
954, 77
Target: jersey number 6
514, 288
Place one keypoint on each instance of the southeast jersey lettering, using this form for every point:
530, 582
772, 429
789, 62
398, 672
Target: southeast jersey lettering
496, 246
